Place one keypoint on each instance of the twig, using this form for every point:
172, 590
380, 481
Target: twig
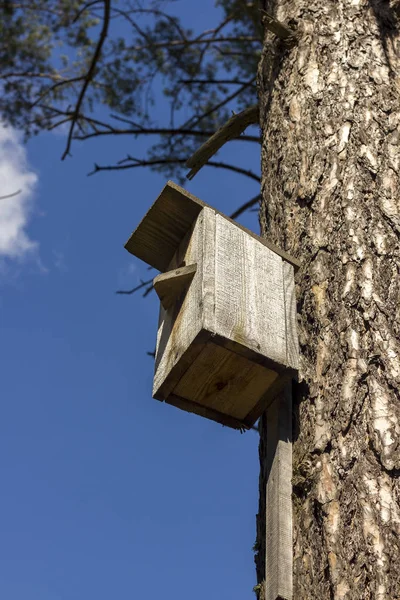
89, 75
230, 130
10, 195
245, 206
141, 285
159, 131
220, 104
85, 7
211, 81
186, 42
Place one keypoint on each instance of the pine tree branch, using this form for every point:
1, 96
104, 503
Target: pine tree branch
186, 42
211, 82
7, 196
160, 131
219, 105
147, 284
89, 75
246, 206
230, 130
132, 163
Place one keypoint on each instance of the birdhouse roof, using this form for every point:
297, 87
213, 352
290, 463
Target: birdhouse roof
162, 229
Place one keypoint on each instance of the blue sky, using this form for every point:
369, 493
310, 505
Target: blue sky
106, 493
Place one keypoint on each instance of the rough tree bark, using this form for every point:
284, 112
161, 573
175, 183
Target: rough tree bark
330, 119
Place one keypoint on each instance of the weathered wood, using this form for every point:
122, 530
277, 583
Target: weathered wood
207, 306
230, 130
226, 339
166, 381
163, 228
292, 342
279, 548
180, 325
249, 302
224, 381
222, 340
206, 412
165, 225
169, 286
272, 392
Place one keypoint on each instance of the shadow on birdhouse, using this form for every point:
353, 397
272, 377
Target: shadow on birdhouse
227, 340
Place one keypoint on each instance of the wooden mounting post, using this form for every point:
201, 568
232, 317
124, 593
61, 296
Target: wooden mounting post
279, 536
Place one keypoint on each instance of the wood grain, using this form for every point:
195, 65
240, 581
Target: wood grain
249, 302
230, 130
163, 228
292, 342
181, 323
224, 381
161, 231
206, 412
170, 285
279, 537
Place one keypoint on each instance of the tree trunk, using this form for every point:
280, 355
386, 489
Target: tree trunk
330, 119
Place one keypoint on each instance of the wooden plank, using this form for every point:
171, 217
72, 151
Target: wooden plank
224, 382
165, 383
182, 323
208, 276
284, 378
249, 292
163, 228
169, 286
292, 342
279, 536
249, 353
205, 412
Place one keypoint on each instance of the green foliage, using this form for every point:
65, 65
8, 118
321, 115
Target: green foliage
51, 75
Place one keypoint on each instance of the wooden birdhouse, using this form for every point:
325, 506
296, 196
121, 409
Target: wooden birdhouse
227, 339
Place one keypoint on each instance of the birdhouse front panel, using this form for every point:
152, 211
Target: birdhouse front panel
182, 324
227, 339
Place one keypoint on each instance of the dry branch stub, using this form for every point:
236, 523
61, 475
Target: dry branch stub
227, 340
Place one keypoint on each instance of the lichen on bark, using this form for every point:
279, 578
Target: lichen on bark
330, 120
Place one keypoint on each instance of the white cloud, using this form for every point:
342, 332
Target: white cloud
15, 174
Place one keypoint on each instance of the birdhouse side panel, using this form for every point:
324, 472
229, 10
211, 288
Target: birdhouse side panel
180, 326
292, 342
249, 293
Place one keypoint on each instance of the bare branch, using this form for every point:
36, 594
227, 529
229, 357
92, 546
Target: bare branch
245, 206
212, 81
89, 75
135, 162
220, 104
230, 130
10, 195
186, 42
141, 285
158, 13
55, 86
69, 114
159, 131
85, 7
